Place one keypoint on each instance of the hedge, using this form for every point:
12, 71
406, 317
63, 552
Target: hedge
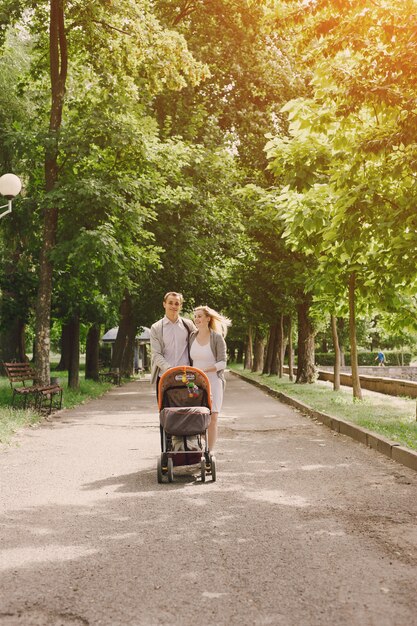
393, 357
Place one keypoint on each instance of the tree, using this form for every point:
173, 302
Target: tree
351, 149
17, 262
251, 76
157, 58
198, 226
276, 281
58, 57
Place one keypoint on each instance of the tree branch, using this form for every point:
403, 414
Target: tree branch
110, 27
188, 8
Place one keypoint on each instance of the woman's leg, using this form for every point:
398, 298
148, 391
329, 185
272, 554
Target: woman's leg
212, 431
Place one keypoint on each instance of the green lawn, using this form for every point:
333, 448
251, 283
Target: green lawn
13, 419
390, 416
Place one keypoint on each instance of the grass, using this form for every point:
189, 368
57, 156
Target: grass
12, 419
390, 416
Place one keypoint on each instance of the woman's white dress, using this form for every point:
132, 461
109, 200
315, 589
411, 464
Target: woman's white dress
202, 358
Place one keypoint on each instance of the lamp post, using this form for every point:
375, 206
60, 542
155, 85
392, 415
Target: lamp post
10, 186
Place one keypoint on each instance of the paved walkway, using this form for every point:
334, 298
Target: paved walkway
303, 526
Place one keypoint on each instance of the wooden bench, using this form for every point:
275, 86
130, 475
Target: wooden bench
23, 382
112, 375
48, 398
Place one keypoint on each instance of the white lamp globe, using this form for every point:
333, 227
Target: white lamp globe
10, 185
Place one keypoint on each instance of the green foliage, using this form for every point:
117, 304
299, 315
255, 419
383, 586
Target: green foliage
250, 77
126, 39
162, 180
120, 57
345, 165
198, 226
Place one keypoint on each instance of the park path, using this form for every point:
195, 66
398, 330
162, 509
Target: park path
304, 527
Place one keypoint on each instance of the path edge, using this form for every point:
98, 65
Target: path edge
391, 449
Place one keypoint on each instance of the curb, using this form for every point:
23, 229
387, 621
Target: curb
388, 448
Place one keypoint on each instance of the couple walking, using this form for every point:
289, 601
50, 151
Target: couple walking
178, 341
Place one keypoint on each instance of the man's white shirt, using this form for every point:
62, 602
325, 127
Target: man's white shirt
175, 339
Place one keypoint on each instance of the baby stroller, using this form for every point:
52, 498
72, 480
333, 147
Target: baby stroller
184, 401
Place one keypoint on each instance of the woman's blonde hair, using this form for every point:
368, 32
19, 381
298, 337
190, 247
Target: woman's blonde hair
218, 322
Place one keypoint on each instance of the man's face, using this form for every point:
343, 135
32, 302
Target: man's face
172, 306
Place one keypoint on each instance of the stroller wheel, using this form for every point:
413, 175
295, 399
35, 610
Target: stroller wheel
203, 469
159, 470
213, 468
170, 470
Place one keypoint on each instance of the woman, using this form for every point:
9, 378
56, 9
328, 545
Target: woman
208, 353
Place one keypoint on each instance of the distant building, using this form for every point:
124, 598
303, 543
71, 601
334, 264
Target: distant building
140, 358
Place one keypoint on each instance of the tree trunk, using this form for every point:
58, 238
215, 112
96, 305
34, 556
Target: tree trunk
275, 349
58, 57
12, 342
290, 351
269, 349
286, 331
43, 305
248, 350
65, 343
74, 361
356, 385
336, 381
127, 364
92, 352
305, 368
341, 333
281, 346
146, 360
120, 345
258, 351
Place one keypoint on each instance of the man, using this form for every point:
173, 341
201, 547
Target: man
169, 338
380, 357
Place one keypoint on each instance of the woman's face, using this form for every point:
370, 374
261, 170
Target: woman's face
201, 320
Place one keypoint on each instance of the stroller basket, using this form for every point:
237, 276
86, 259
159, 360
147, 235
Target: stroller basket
185, 420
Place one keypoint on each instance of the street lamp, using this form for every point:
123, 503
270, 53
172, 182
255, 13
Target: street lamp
10, 186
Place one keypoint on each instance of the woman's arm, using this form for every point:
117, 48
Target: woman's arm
219, 353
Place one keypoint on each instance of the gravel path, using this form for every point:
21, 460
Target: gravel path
304, 527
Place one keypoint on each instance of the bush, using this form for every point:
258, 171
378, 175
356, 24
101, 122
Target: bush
393, 357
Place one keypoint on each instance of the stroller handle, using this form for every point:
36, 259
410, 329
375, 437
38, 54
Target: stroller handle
183, 370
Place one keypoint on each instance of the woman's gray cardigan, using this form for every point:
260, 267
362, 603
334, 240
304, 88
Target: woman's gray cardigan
218, 348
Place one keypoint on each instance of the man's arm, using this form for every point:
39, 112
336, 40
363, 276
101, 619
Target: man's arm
157, 349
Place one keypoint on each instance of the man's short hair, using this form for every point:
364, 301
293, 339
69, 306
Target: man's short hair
175, 294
